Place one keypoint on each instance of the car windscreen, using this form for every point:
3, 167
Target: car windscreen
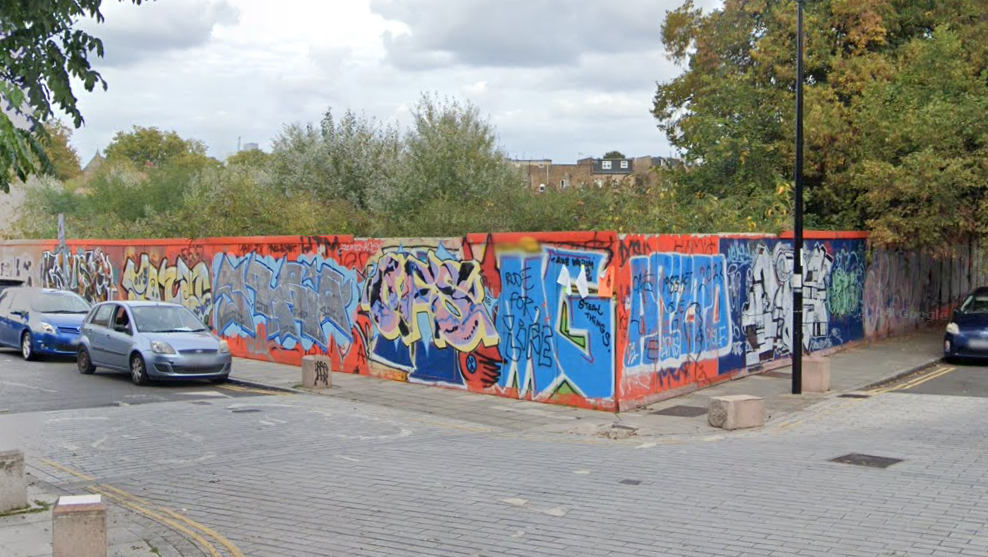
165, 319
975, 304
59, 302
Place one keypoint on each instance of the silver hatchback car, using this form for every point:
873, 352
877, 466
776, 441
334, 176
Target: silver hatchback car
151, 341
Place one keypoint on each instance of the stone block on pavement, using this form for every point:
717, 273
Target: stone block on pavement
13, 484
816, 374
79, 527
736, 412
316, 372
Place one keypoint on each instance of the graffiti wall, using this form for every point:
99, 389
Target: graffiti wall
588, 319
694, 310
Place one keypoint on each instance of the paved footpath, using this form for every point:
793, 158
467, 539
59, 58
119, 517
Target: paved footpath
29, 534
323, 475
851, 370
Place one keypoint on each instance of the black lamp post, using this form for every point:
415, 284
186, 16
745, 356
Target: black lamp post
797, 261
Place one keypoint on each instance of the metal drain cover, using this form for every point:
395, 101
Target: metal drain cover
682, 411
630, 482
854, 395
868, 460
245, 411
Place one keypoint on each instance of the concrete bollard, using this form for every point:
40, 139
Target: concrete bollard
816, 374
316, 372
736, 412
13, 484
79, 527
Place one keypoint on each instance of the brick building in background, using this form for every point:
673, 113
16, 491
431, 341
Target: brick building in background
543, 174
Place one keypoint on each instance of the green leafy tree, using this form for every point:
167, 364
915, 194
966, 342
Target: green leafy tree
254, 158
890, 93
61, 154
41, 51
151, 147
354, 158
457, 178
614, 155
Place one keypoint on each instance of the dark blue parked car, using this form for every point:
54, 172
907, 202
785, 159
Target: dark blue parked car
41, 321
967, 333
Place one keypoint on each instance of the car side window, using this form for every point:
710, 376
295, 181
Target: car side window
121, 321
102, 316
17, 302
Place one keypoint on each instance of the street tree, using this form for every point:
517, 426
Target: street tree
891, 91
614, 155
41, 51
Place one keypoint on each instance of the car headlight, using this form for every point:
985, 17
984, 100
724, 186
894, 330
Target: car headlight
953, 329
47, 329
224, 347
159, 347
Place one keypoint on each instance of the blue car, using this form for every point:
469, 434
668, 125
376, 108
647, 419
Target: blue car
967, 333
41, 321
152, 341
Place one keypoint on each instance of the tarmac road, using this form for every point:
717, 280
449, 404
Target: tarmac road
954, 379
56, 384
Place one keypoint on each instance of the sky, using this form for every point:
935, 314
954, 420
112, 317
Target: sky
558, 79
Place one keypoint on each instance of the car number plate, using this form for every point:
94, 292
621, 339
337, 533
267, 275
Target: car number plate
979, 343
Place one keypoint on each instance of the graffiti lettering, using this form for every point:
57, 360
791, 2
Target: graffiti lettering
176, 283
322, 373
304, 302
87, 273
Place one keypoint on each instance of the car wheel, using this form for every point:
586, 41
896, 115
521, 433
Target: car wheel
220, 380
27, 346
84, 362
138, 372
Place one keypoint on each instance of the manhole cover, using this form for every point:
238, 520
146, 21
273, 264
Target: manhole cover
871, 461
631, 482
853, 395
776, 374
245, 411
202, 403
682, 411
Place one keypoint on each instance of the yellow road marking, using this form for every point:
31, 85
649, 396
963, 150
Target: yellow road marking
929, 378
939, 372
201, 527
67, 470
141, 506
203, 542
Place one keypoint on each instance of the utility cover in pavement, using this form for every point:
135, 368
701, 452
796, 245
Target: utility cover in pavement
871, 461
854, 395
631, 482
245, 411
777, 374
682, 411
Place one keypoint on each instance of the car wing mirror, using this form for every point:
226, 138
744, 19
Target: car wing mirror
19, 313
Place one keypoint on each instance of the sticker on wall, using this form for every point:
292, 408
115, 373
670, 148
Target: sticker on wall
565, 281
581, 283
605, 284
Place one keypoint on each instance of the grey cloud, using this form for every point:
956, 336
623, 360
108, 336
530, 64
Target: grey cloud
131, 33
517, 33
